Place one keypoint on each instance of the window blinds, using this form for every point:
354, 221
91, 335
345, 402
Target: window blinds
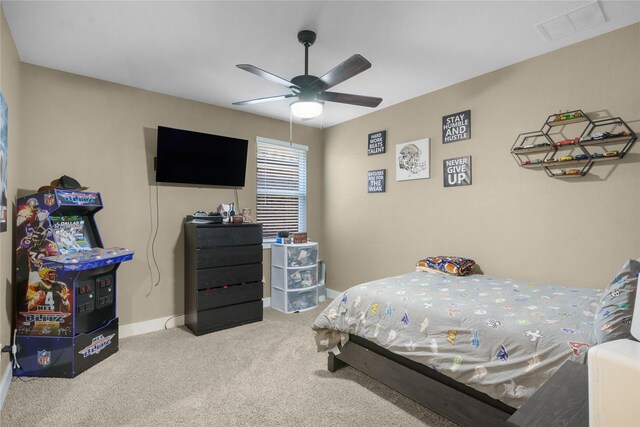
281, 202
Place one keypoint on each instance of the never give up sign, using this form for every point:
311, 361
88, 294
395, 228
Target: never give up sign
457, 171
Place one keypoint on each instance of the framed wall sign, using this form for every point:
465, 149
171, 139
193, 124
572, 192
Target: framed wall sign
412, 160
457, 171
4, 150
456, 127
377, 142
376, 181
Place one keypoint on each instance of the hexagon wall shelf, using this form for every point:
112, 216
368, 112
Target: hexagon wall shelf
569, 144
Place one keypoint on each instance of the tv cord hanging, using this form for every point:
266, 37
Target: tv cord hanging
152, 239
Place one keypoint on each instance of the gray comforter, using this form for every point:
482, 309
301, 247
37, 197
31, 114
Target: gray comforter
501, 337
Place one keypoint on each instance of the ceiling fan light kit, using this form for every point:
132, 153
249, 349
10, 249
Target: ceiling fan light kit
310, 90
306, 109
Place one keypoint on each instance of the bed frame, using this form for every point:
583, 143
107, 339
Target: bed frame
454, 400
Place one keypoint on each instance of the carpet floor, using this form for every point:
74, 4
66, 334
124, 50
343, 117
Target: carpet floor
262, 374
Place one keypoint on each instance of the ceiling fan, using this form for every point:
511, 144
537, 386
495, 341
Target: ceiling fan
310, 90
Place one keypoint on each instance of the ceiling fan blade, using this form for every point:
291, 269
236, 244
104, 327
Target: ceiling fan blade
349, 68
347, 98
265, 75
267, 99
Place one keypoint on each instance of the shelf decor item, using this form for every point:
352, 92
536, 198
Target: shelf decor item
569, 144
299, 237
246, 216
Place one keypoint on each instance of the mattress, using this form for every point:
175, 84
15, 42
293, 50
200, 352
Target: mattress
502, 337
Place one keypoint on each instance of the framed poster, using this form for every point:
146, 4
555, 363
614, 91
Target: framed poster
456, 127
375, 181
412, 160
4, 148
457, 171
377, 143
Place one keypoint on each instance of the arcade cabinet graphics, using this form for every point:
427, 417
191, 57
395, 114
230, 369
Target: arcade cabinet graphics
66, 284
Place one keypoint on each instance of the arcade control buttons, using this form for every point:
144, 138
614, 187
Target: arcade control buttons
105, 291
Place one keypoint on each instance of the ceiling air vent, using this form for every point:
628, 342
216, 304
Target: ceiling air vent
577, 20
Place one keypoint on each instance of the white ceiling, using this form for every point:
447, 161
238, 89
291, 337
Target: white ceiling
189, 49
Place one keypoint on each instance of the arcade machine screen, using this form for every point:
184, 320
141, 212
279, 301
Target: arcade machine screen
72, 233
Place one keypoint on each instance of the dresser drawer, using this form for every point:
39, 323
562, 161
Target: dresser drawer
229, 255
216, 319
219, 297
216, 277
228, 236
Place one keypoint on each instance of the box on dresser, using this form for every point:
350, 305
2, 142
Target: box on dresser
223, 276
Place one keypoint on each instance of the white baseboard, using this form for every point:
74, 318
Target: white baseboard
153, 325
4, 385
266, 302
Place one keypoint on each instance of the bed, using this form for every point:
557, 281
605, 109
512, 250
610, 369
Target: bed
473, 348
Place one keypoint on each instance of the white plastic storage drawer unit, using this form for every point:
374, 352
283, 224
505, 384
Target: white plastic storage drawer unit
294, 255
294, 301
294, 276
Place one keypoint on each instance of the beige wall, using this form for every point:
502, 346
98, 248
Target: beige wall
104, 135
10, 88
514, 222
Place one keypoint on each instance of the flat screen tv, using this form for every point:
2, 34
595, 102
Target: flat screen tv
188, 157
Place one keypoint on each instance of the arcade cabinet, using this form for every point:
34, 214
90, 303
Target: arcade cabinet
66, 285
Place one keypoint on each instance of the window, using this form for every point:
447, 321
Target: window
281, 202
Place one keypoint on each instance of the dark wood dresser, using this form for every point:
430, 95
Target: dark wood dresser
223, 276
